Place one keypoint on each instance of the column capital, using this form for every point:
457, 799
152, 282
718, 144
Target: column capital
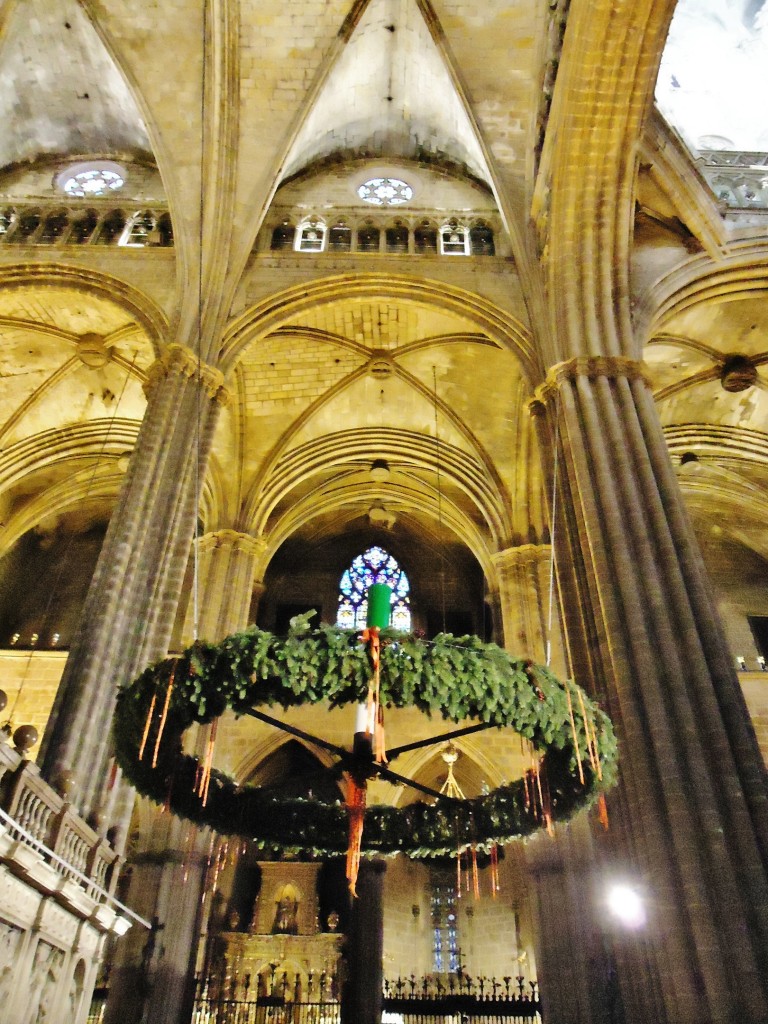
178, 359
585, 366
244, 542
521, 555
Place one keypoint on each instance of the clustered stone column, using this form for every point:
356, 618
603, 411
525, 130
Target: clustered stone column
153, 978
227, 566
128, 613
569, 954
574, 967
524, 597
691, 814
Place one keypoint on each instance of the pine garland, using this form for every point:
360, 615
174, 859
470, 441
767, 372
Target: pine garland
457, 678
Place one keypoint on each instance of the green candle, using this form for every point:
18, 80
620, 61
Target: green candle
379, 603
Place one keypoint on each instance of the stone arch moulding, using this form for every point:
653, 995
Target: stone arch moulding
61, 444
72, 495
269, 744
273, 312
344, 447
106, 287
742, 275
466, 474
414, 764
459, 524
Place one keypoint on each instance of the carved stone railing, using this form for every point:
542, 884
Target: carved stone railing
43, 840
28, 222
738, 179
388, 231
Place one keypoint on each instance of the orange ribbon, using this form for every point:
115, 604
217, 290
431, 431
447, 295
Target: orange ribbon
356, 799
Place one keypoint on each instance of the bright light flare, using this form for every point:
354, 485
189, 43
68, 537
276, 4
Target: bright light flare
626, 905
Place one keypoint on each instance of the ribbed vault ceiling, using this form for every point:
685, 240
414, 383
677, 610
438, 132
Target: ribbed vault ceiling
60, 91
398, 81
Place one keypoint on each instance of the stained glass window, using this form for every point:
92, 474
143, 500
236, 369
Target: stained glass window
374, 566
90, 178
385, 192
445, 935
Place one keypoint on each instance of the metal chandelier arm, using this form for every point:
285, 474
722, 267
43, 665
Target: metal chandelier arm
294, 731
390, 776
396, 751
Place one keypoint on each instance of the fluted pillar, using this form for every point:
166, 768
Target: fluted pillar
524, 580
227, 565
692, 815
128, 613
569, 954
573, 968
152, 976
168, 869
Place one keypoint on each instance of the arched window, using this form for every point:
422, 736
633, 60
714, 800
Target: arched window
7, 220
165, 230
374, 566
481, 239
283, 236
454, 240
340, 238
83, 227
397, 237
368, 237
111, 228
28, 225
53, 228
311, 236
425, 238
139, 231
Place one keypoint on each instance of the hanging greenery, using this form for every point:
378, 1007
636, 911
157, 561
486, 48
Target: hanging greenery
456, 678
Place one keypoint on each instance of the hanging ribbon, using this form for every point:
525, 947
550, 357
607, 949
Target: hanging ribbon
147, 724
602, 811
164, 715
495, 888
546, 802
204, 771
594, 757
575, 733
356, 799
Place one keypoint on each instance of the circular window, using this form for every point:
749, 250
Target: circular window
91, 179
385, 192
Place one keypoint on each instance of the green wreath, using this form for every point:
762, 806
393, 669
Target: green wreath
458, 678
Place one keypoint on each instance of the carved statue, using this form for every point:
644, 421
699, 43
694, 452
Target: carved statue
286, 913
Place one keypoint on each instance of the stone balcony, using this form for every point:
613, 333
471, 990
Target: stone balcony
57, 904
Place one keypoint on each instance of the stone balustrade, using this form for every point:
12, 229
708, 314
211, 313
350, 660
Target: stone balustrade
80, 224
738, 179
45, 841
57, 905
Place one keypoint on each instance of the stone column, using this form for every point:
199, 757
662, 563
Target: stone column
364, 948
128, 613
568, 944
227, 563
691, 815
524, 598
152, 977
168, 871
